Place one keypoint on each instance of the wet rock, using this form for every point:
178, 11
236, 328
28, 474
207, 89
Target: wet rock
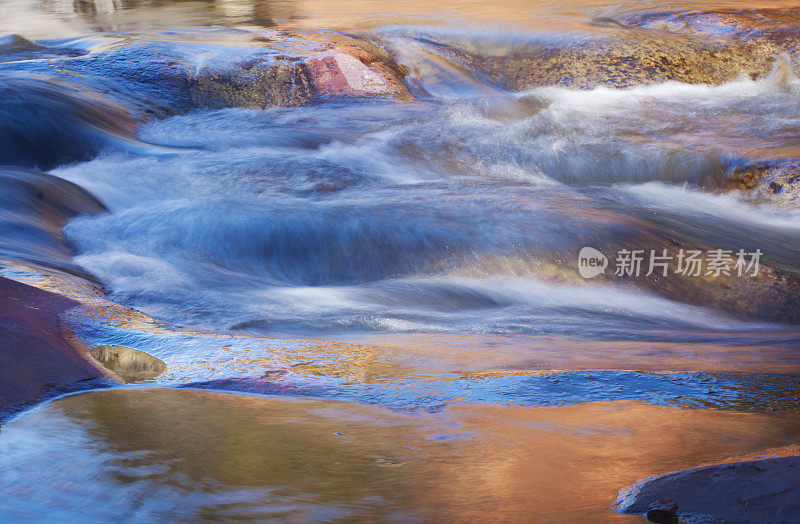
15, 47
743, 492
37, 361
662, 511
35, 207
776, 182
147, 79
270, 68
298, 68
342, 74
636, 51
772, 294
354, 65
131, 365
772, 23
44, 122
255, 83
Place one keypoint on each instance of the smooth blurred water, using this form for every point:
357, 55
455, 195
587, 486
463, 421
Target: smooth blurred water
164, 455
459, 213
436, 215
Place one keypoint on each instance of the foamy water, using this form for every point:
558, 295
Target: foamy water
438, 215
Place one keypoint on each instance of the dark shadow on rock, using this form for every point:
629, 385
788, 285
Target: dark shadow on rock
44, 123
35, 206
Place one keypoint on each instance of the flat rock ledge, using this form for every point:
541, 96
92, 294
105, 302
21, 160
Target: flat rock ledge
755, 491
37, 360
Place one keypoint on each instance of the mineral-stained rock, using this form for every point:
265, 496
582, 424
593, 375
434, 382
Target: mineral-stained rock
298, 68
354, 65
344, 75
279, 67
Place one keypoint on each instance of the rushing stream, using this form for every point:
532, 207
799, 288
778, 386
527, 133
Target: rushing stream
435, 217
433, 236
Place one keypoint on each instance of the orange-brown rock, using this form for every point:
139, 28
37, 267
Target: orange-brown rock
638, 50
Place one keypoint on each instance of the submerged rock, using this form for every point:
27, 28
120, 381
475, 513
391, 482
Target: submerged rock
15, 47
131, 365
773, 294
772, 23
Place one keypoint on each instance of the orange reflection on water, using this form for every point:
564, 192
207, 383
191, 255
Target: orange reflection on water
752, 352
294, 458
55, 18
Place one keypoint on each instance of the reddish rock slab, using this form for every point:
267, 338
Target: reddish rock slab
341, 74
36, 359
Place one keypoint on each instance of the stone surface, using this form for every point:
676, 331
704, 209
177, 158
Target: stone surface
35, 207
131, 365
296, 68
179, 70
253, 84
634, 51
342, 74
741, 492
776, 181
37, 360
662, 511
46, 122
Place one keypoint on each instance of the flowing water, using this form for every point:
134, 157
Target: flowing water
433, 242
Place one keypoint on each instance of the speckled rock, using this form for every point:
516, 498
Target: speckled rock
258, 83
777, 182
636, 51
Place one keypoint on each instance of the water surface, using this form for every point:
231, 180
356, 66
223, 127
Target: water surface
393, 283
